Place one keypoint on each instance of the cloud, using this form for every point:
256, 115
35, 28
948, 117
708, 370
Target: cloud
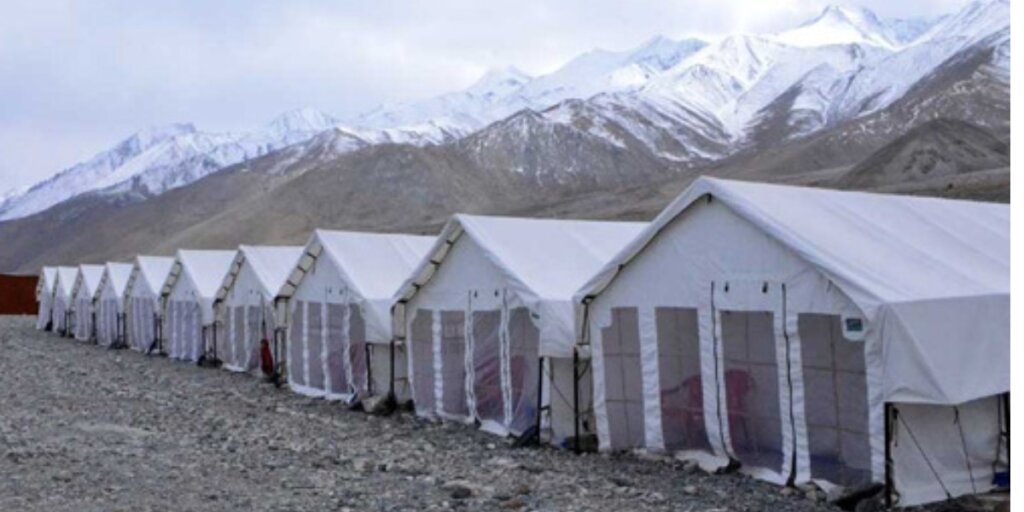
78, 76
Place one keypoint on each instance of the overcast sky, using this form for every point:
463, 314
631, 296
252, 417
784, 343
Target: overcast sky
79, 76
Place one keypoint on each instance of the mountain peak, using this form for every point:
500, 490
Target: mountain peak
661, 52
305, 119
840, 25
152, 135
500, 79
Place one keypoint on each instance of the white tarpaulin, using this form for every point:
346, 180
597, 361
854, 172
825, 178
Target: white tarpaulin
86, 282
493, 297
920, 270
62, 307
246, 302
349, 279
772, 325
109, 303
189, 291
44, 296
142, 300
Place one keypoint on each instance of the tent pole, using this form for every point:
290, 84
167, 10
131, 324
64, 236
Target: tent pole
1006, 415
391, 379
890, 416
540, 395
576, 400
369, 370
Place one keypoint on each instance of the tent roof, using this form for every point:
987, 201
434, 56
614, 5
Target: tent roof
117, 274
270, 263
88, 276
878, 248
47, 277
66, 278
373, 265
153, 269
544, 260
931, 275
206, 270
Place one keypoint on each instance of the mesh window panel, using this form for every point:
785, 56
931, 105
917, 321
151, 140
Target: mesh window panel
233, 346
490, 404
82, 317
624, 379
196, 337
682, 396
835, 401
752, 388
258, 327
357, 348
453, 362
336, 348
101, 324
316, 346
524, 354
110, 313
173, 329
184, 331
296, 374
101, 321
421, 341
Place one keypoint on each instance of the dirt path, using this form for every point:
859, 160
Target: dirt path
85, 428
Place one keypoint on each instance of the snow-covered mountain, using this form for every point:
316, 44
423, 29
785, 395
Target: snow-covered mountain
158, 159
685, 101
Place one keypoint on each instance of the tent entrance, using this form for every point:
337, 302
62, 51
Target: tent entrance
835, 401
422, 362
680, 383
752, 377
488, 353
620, 346
750, 382
454, 401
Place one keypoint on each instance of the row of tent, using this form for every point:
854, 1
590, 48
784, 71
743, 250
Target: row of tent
848, 339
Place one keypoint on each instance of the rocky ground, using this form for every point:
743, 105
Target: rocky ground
85, 428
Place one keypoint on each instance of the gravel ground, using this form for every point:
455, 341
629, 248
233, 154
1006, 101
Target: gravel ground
85, 428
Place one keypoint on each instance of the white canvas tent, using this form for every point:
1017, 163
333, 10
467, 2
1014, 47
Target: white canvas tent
86, 282
340, 294
489, 303
188, 295
143, 303
62, 305
44, 296
809, 334
109, 304
246, 303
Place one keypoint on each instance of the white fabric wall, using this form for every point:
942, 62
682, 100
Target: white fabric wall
183, 326
108, 309
45, 308
939, 449
142, 318
707, 248
247, 317
142, 309
60, 310
83, 315
473, 351
327, 340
